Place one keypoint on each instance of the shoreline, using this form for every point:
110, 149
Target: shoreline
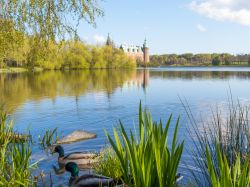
38, 69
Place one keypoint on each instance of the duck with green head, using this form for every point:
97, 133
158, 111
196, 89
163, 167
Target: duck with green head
88, 180
82, 159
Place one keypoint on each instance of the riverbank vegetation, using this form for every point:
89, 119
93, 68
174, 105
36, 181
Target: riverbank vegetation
220, 152
147, 157
225, 137
15, 157
204, 59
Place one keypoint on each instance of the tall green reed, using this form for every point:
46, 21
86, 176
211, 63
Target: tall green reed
15, 166
147, 160
229, 128
49, 138
236, 175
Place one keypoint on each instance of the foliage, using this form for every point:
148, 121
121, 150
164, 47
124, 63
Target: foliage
203, 59
49, 19
108, 164
235, 175
147, 160
67, 55
29, 27
15, 167
216, 61
230, 130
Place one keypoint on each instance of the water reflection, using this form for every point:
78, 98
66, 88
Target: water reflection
15, 89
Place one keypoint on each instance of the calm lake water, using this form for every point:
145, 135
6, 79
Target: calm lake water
96, 100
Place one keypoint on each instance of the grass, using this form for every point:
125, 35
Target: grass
147, 160
229, 128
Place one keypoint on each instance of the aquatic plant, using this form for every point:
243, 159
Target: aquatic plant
147, 160
15, 166
230, 130
49, 138
5, 129
236, 175
108, 164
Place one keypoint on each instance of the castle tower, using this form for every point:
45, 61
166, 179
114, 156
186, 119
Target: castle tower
109, 41
145, 52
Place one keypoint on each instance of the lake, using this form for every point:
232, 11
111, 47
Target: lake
96, 100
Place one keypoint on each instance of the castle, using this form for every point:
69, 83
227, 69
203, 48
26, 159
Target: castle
140, 54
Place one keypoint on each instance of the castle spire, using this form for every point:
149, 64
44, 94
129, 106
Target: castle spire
109, 42
145, 43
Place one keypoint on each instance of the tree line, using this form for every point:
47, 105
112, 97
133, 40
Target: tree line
32, 34
70, 54
190, 59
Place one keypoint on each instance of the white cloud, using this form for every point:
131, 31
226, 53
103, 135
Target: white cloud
201, 28
237, 11
99, 38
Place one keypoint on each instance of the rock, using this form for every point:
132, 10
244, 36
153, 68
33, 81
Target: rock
76, 136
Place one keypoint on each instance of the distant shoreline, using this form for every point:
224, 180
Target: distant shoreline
25, 70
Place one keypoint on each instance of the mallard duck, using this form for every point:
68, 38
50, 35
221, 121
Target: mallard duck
83, 160
88, 180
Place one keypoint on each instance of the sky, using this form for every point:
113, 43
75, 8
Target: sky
174, 26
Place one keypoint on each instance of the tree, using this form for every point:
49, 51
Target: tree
49, 19
41, 22
216, 61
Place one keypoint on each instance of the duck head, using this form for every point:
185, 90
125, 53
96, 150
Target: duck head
72, 168
59, 149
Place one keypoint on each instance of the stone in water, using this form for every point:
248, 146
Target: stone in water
76, 136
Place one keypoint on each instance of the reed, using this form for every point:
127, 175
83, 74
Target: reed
236, 175
147, 160
229, 128
15, 166
49, 138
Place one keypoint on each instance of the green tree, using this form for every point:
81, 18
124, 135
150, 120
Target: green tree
216, 61
49, 19
43, 21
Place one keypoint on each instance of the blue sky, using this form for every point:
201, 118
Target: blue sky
175, 26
